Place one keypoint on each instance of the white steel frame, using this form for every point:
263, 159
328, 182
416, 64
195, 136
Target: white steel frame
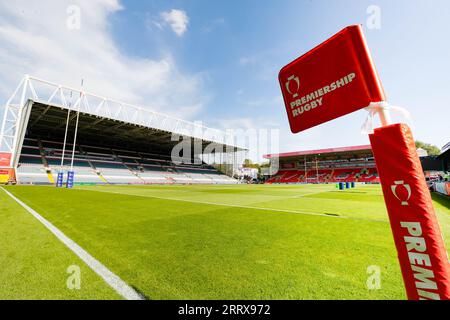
58, 95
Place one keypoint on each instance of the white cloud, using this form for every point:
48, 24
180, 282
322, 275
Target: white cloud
35, 39
177, 19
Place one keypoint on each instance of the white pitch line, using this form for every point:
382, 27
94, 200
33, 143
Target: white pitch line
240, 206
110, 278
219, 204
308, 194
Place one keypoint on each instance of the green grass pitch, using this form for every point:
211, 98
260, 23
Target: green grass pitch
204, 242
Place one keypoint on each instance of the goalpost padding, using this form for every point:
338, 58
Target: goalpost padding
418, 239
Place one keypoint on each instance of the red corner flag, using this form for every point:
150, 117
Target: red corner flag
336, 78
333, 79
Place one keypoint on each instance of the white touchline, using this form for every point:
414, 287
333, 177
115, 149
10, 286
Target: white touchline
110, 278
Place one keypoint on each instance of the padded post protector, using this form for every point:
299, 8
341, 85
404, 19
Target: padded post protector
418, 239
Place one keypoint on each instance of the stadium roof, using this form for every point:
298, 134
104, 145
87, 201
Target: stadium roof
342, 152
445, 154
47, 105
47, 121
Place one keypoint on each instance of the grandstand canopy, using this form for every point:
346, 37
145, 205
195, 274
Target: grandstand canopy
343, 153
49, 122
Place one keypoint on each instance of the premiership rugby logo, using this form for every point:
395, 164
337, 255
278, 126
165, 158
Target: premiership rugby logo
404, 198
296, 85
313, 99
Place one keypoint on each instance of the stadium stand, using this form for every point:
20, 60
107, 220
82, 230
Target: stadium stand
348, 164
40, 162
115, 142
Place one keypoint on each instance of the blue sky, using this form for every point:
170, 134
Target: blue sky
221, 66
